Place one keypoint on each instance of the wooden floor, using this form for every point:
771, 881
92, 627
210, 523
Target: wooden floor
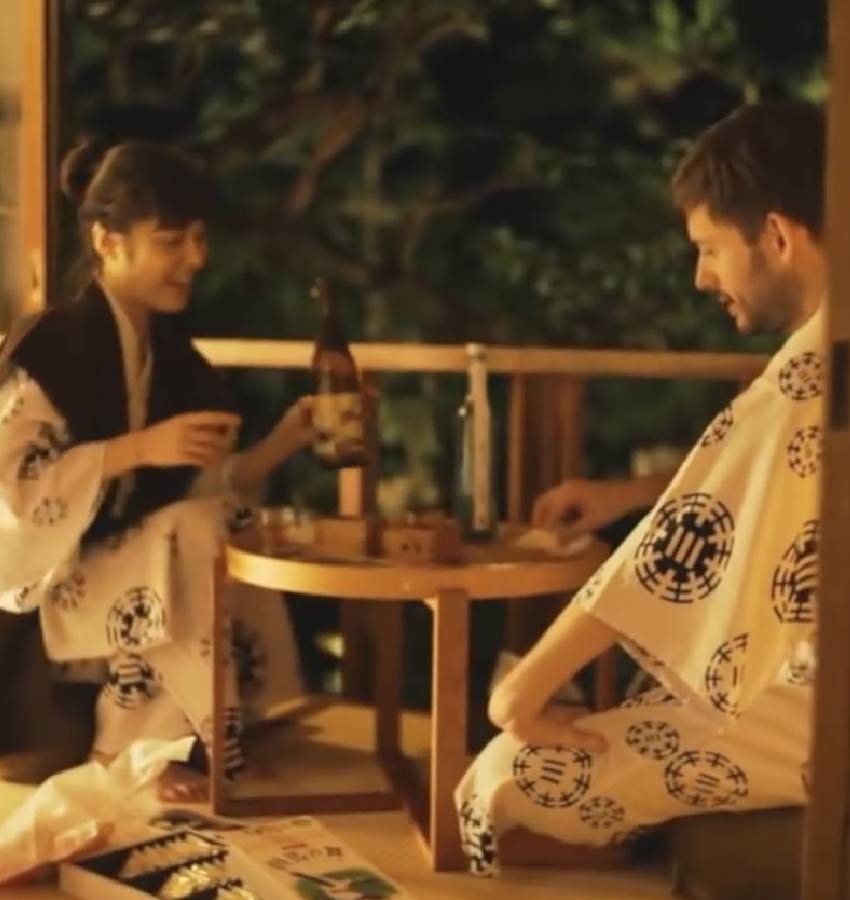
339, 760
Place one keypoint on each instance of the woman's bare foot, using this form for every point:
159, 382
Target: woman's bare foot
183, 784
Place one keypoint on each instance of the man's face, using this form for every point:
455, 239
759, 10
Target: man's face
749, 279
154, 266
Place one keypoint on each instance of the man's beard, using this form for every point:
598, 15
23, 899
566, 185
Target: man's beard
775, 301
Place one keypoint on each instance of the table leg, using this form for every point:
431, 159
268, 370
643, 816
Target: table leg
605, 680
219, 656
388, 640
354, 632
449, 720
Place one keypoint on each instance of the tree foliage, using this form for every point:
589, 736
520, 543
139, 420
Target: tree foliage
488, 170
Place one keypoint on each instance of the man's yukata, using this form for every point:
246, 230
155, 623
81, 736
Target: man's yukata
121, 571
714, 595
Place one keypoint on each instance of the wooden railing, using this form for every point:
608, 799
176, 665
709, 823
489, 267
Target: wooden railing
395, 357
544, 436
545, 428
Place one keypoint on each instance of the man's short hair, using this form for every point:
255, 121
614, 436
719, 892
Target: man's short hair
764, 157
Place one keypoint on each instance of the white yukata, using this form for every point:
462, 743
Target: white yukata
132, 610
714, 595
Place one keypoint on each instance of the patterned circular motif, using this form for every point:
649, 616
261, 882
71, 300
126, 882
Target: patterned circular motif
805, 450
654, 696
553, 776
654, 740
234, 760
719, 427
131, 682
705, 779
601, 812
629, 835
686, 549
21, 596
641, 655
136, 620
477, 838
45, 449
801, 378
49, 512
795, 580
589, 589
724, 676
251, 659
68, 593
13, 411
799, 673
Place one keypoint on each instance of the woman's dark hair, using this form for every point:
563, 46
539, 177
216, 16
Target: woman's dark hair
124, 184
764, 157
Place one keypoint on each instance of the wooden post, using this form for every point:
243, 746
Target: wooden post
827, 844
516, 501
34, 154
545, 433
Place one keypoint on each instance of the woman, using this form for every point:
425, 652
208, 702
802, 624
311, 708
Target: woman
116, 463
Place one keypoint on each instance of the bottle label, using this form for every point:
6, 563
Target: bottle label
338, 420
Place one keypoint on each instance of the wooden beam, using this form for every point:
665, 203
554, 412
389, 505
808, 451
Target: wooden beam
34, 155
827, 845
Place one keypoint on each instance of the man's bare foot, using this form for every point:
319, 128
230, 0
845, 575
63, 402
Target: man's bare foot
183, 784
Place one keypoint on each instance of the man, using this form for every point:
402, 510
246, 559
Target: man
714, 592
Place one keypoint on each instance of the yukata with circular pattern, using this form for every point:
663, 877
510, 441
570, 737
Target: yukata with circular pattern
714, 595
131, 610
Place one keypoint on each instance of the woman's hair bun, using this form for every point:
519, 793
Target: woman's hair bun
79, 166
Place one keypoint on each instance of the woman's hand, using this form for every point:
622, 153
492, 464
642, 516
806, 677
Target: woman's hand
188, 439
295, 429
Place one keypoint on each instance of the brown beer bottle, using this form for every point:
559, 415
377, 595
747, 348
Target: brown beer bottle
338, 409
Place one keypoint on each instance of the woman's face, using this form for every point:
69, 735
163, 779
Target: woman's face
151, 265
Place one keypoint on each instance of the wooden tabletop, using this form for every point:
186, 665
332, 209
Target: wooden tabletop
262, 557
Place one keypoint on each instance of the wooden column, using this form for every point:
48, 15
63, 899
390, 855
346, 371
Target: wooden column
545, 433
38, 150
827, 845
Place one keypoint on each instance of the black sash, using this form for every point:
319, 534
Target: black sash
74, 353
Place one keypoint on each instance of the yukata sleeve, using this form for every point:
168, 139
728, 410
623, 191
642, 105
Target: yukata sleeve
49, 491
715, 589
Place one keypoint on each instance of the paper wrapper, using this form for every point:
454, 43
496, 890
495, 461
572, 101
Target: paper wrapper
76, 808
550, 542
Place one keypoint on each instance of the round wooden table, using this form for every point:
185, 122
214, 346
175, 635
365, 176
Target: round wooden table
263, 557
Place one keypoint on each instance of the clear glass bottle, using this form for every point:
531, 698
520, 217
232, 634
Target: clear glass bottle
474, 494
338, 410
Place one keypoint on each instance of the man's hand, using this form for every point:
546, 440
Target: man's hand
554, 727
578, 506
188, 439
